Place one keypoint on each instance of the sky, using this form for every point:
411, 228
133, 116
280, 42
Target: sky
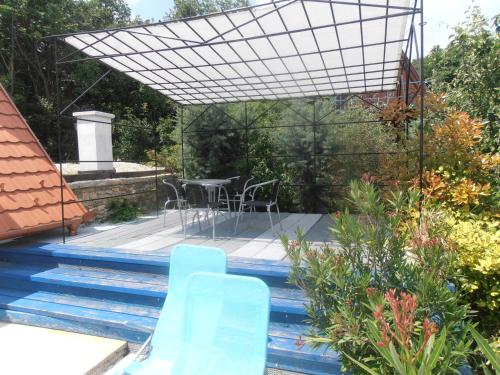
440, 15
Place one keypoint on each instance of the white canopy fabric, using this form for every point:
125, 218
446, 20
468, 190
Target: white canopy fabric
284, 49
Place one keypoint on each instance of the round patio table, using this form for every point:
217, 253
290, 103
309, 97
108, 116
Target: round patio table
211, 184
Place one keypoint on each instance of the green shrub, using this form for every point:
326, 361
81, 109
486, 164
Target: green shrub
377, 251
132, 136
478, 248
167, 159
123, 210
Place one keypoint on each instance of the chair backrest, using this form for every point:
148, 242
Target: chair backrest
268, 188
173, 192
184, 261
196, 195
187, 259
244, 183
232, 188
275, 190
229, 315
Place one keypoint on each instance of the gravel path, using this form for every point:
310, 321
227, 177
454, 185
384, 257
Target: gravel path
120, 166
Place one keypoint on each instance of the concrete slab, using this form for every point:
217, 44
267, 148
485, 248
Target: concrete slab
27, 350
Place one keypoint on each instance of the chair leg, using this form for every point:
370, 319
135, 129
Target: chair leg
227, 201
237, 218
270, 218
213, 225
180, 215
185, 221
165, 212
279, 216
199, 222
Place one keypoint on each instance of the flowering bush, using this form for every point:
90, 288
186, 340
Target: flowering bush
408, 346
397, 113
457, 175
462, 179
377, 250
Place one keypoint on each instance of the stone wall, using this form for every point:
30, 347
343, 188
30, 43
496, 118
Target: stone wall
101, 192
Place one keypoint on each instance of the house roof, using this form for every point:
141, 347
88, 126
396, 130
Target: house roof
30, 194
284, 49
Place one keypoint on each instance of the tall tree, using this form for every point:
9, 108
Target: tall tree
467, 71
33, 63
190, 8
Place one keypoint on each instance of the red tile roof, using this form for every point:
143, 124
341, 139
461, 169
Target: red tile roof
30, 193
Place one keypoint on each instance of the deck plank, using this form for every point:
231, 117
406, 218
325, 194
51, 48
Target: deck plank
126, 230
267, 246
275, 249
168, 237
259, 243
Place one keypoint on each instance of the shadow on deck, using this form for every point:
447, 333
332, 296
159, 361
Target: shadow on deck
151, 235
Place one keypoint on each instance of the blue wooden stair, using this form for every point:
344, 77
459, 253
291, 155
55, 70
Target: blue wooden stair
113, 293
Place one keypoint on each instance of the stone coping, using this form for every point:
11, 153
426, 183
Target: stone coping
117, 181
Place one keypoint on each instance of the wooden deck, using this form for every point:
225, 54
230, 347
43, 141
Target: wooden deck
112, 280
156, 236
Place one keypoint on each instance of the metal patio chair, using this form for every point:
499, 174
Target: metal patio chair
175, 198
198, 201
236, 189
248, 201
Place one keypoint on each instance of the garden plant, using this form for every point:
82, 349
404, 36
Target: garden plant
383, 292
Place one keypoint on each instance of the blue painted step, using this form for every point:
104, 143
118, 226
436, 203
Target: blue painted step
118, 293
275, 273
287, 305
135, 323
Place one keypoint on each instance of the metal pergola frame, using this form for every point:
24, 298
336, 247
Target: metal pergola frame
275, 85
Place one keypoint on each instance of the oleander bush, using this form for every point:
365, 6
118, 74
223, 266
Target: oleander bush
378, 250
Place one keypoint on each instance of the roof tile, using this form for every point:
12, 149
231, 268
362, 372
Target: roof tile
10, 121
30, 191
28, 219
23, 165
8, 150
16, 135
32, 181
6, 106
33, 198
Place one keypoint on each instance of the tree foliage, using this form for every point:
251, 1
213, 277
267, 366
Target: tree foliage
191, 8
30, 70
467, 71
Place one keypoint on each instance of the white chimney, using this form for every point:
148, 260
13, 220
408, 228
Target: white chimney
95, 148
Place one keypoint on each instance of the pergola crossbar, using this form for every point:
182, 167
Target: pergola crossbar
284, 49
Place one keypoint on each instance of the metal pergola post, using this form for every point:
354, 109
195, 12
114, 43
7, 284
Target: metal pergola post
247, 141
202, 79
422, 96
155, 145
315, 167
59, 136
182, 142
